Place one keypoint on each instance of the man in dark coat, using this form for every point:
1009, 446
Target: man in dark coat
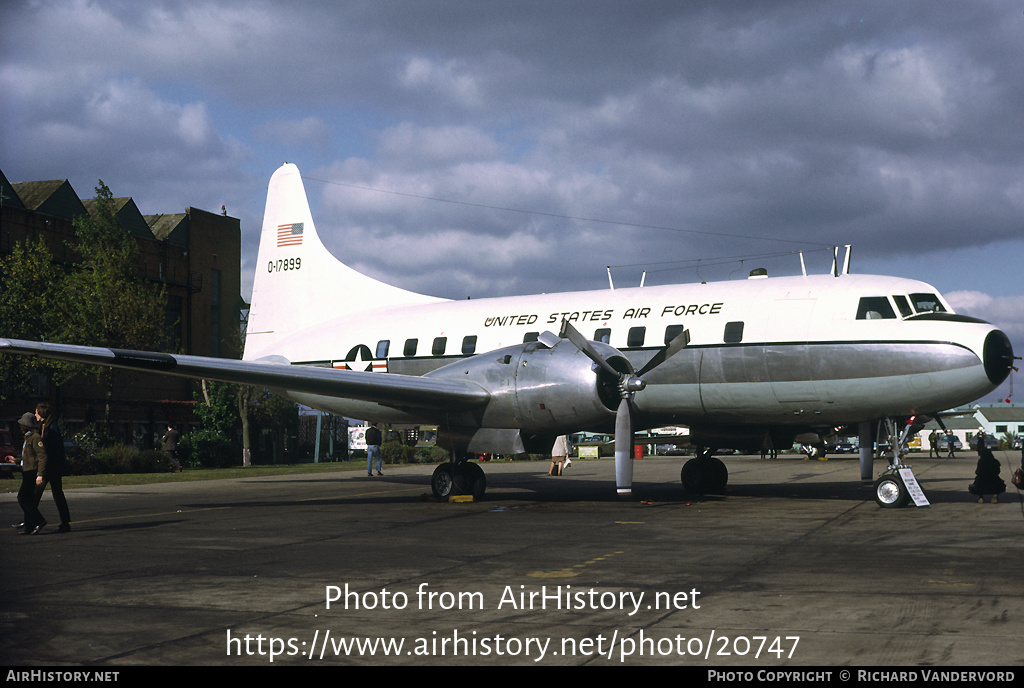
170, 439
56, 464
373, 440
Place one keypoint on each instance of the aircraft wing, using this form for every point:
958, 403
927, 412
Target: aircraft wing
388, 389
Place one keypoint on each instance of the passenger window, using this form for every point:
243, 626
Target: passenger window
603, 335
530, 337
733, 332
410, 346
903, 305
382, 348
672, 331
927, 303
875, 308
440, 344
636, 336
469, 345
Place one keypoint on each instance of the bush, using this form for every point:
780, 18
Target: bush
207, 449
431, 455
113, 459
93, 437
396, 452
117, 458
149, 461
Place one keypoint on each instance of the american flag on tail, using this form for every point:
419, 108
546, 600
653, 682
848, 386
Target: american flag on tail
289, 235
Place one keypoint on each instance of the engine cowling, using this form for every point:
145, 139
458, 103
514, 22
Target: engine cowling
542, 390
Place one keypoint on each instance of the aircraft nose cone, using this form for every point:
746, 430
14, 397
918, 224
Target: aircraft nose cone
998, 356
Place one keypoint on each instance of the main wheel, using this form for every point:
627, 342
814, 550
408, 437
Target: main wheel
704, 476
690, 475
470, 479
717, 476
441, 482
890, 492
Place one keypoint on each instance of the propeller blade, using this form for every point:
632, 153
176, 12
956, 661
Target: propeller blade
629, 384
624, 449
677, 344
548, 339
573, 335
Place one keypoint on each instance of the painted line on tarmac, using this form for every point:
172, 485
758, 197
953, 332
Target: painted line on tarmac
156, 513
574, 570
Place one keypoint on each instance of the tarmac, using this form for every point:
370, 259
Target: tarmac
794, 566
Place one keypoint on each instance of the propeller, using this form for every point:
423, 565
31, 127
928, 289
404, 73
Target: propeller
630, 383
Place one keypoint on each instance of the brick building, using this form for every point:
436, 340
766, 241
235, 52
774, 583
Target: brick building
195, 255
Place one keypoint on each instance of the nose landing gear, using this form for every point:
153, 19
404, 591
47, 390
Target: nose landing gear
891, 490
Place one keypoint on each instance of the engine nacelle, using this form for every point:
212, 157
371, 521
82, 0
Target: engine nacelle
540, 390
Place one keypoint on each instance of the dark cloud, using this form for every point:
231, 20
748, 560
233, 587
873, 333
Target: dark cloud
705, 129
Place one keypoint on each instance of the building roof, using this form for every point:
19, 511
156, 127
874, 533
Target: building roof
955, 423
172, 227
8, 196
1009, 413
54, 197
127, 215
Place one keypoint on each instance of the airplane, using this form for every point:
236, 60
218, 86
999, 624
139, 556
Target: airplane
739, 362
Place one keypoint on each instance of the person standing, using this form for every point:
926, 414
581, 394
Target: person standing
373, 440
56, 464
933, 444
559, 452
170, 439
33, 465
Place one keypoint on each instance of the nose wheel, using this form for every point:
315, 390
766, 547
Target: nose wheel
890, 492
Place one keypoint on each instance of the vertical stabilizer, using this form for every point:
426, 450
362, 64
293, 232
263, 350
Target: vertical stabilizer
298, 283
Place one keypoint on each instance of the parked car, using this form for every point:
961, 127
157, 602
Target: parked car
841, 448
8, 462
990, 441
7, 452
944, 443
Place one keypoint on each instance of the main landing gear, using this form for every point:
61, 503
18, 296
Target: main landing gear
704, 474
461, 477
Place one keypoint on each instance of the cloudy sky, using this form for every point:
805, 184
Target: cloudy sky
489, 148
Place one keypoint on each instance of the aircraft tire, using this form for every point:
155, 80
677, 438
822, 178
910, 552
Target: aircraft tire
692, 476
890, 492
470, 479
441, 482
704, 476
718, 476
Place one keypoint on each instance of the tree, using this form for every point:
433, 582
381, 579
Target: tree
268, 409
103, 303
30, 288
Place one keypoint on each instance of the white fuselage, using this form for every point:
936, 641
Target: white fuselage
784, 350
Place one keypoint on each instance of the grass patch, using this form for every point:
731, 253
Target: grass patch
194, 475
197, 474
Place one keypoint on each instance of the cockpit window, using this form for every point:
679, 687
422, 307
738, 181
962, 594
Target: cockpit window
875, 308
927, 303
903, 305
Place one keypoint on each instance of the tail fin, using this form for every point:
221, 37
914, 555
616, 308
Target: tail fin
298, 283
